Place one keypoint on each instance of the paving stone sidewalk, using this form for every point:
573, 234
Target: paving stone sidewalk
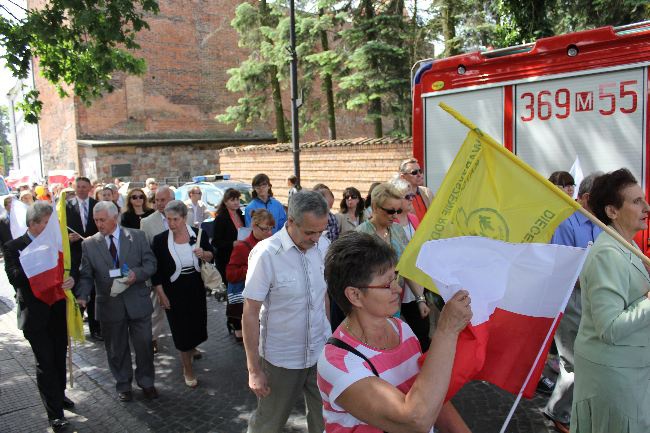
221, 403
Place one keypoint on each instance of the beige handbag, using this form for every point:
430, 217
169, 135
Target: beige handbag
209, 274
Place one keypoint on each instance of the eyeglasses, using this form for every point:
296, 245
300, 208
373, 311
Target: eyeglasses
391, 211
385, 286
196, 193
261, 185
409, 196
137, 197
414, 172
352, 197
264, 229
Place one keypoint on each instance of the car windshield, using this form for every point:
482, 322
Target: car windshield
212, 196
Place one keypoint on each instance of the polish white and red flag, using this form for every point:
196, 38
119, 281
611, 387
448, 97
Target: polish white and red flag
42, 262
518, 291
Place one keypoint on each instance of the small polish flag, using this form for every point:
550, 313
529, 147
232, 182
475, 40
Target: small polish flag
42, 262
518, 293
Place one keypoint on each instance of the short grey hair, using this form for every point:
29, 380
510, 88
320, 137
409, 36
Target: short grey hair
38, 211
588, 183
165, 188
307, 201
177, 207
403, 164
107, 206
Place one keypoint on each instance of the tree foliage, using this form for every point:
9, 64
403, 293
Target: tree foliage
79, 45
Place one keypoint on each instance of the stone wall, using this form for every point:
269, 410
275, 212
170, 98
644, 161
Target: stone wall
336, 163
151, 160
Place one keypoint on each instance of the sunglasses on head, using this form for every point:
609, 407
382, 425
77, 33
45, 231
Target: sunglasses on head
414, 172
391, 211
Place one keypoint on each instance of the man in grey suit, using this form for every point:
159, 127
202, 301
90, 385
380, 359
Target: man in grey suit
151, 226
127, 314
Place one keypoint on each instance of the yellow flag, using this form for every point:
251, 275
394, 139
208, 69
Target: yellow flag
489, 192
63, 223
73, 313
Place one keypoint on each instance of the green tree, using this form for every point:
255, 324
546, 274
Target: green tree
377, 68
257, 77
79, 45
5, 146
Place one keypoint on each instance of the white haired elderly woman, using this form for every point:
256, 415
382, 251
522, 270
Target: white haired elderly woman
178, 284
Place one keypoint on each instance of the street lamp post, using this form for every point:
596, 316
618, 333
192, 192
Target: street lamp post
295, 101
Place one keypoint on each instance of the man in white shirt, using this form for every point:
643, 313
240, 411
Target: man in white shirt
197, 209
151, 226
284, 322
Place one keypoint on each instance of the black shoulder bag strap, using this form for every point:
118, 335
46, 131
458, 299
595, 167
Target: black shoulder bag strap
345, 346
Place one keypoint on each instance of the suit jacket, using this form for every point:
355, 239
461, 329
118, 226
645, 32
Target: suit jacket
5, 230
152, 225
615, 325
202, 210
223, 238
74, 222
427, 195
33, 314
96, 263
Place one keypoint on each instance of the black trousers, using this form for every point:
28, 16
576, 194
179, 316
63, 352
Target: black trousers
411, 315
93, 324
49, 344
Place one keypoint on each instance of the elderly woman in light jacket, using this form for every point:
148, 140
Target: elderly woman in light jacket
179, 286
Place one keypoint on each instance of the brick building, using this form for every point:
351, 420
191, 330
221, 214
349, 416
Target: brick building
162, 123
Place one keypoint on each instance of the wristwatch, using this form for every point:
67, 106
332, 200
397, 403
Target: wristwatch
421, 298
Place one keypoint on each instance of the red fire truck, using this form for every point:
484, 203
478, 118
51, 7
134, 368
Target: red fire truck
583, 94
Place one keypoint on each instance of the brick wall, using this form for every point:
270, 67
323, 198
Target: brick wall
336, 163
188, 50
57, 128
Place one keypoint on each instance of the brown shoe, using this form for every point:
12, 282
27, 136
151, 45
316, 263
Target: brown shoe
150, 393
561, 427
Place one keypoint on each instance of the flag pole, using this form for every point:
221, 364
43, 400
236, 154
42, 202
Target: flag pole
70, 361
561, 194
530, 373
613, 233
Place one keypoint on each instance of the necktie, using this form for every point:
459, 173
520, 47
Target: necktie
113, 250
84, 216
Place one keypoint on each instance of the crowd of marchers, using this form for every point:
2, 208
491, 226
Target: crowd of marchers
315, 299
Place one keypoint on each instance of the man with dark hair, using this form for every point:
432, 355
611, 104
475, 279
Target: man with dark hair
575, 231
284, 322
79, 216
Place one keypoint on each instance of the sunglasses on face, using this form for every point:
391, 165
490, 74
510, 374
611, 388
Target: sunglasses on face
391, 211
352, 197
414, 172
137, 197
